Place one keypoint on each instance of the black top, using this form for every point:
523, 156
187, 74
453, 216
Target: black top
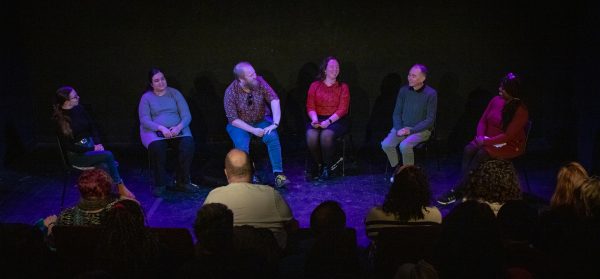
83, 127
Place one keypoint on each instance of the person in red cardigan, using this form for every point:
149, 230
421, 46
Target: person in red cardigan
327, 106
500, 131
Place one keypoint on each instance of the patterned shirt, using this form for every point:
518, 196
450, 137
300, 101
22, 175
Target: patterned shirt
86, 213
248, 106
327, 100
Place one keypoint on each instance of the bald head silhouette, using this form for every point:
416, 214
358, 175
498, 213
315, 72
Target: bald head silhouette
238, 166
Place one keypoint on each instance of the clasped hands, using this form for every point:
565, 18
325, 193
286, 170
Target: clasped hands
260, 132
403, 132
323, 125
171, 132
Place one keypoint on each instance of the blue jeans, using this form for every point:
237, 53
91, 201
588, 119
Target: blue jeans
102, 159
241, 141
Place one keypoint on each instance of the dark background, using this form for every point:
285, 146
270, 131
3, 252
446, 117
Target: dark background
105, 48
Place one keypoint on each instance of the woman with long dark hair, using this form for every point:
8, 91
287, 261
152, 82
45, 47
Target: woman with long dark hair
500, 132
408, 200
327, 106
79, 136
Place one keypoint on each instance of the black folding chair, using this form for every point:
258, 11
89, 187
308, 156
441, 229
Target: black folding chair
68, 170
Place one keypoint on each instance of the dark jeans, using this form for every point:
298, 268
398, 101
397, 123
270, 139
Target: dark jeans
157, 153
102, 159
321, 142
473, 156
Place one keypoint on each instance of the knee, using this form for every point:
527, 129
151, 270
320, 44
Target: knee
471, 148
188, 144
271, 137
327, 136
405, 147
386, 146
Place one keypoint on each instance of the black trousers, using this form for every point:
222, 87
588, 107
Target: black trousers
157, 152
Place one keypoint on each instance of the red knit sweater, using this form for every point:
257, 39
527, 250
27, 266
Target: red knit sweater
490, 125
327, 100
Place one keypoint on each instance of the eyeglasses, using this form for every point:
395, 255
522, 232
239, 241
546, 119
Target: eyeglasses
249, 100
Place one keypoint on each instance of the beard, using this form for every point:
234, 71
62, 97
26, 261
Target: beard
251, 84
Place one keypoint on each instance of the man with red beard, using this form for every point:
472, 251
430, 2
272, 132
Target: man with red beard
244, 102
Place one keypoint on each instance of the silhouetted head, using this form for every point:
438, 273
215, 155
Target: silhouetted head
213, 227
409, 194
568, 179
328, 217
494, 181
590, 194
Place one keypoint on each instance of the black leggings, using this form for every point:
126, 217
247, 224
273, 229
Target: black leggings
473, 156
321, 142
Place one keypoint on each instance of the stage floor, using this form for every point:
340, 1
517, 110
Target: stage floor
31, 187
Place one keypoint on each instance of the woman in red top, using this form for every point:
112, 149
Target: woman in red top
327, 105
500, 131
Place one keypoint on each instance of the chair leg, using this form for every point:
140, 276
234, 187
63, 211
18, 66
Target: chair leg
527, 181
343, 157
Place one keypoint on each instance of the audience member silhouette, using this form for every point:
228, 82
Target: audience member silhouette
408, 200
334, 253
493, 182
215, 258
470, 245
127, 248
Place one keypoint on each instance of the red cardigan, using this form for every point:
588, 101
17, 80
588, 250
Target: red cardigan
327, 100
490, 125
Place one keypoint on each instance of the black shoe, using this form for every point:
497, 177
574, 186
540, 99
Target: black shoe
448, 198
313, 173
186, 188
325, 173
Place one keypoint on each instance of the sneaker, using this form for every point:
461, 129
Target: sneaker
186, 188
281, 180
158, 191
447, 198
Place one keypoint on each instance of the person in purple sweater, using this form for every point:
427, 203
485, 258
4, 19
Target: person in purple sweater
164, 122
413, 118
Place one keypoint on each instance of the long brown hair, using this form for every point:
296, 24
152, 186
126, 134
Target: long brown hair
568, 179
63, 121
321, 75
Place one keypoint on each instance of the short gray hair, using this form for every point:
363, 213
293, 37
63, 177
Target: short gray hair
238, 69
421, 67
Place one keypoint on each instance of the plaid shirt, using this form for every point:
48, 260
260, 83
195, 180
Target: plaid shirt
248, 106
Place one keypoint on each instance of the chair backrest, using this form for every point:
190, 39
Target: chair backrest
527, 130
65, 158
76, 245
177, 243
407, 243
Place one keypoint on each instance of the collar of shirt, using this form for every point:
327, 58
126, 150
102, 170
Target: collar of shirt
418, 90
